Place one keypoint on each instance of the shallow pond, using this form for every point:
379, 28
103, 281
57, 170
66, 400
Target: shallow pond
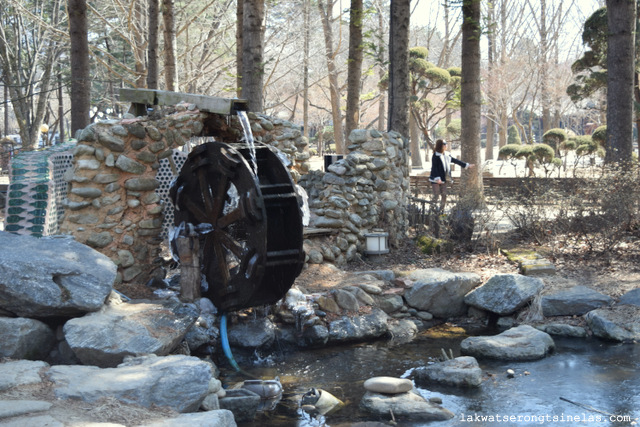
581, 377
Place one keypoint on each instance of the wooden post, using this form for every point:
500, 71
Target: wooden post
188, 247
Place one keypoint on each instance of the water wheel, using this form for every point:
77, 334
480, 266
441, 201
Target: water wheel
249, 223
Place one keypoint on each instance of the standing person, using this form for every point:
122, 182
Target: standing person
441, 169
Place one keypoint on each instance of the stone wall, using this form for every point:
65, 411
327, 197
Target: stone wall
366, 190
112, 203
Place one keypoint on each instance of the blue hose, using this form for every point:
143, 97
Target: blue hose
225, 342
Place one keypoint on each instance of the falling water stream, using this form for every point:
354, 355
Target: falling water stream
248, 136
596, 374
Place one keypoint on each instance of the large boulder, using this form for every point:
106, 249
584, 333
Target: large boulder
253, 333
138, 327
574, 301
618, 323
177, 382
20, 372
440, 292
520, 343
358, 328
25, 338
409, 406
462, 371
52, 276
632, 297
504, 294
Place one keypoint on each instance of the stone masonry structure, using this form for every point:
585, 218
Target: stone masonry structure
112, 203
366, 190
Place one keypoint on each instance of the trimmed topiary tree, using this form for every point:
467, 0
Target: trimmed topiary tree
554, 137
600, 136
544, 155
513, 136
509, 153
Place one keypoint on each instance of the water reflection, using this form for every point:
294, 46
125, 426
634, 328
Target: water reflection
592, 373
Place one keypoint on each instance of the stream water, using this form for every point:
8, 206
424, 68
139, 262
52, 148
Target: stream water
567, 388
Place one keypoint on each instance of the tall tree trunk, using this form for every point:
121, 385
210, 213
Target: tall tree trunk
239, 24
399, 87
471, 96
61, 127
252, 53
416, 158
80, 81
170, 58
334, 89
382, 103
152, 49
354, 66
140, 54
305, 83
491, 131
544, 69
621, 18
491, 58
503, 130
6, 110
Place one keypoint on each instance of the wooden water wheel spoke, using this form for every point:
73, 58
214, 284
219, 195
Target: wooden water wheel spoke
230, 218
222, 188
232, 245
200, 215
221, 260
205, 192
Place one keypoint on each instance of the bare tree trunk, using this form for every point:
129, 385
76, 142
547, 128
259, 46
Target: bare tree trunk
334, 90
61, 128
305, 83
80, 81
152, 50
471, 96
491, 131
252, 51
544, 74
6, 110
382, 103
354, 66
399, 87
239, 23
621, 18
170, 59
140, 54
416, 158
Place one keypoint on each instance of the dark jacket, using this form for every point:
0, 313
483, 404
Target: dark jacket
441, 166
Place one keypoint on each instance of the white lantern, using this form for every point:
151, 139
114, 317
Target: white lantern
377, 243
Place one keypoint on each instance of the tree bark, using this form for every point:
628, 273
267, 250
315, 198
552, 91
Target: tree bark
79, 52
252, 53
382, 103
621, 17
334, 89
152, 49
471, 97
399, 86
354, 66
239, 24
305, 83
416, 158
170, 59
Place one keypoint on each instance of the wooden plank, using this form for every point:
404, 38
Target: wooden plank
138, 96
209, 104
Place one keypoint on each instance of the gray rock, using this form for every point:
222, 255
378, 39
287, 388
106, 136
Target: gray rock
110, 141
178, 382
50, 276
38, 421
15, 373
504, 294
87, 192
15, 408
618, 323
215, 418
390, 303
403, 330
462, 371
521, 343
346, 300
358, 328
252, 334
631, 297
126, 164
440, 292
141, 184
574, 301
407, 405
563, 330
242, 402
22, 338
202, 332
104, 338
314, 336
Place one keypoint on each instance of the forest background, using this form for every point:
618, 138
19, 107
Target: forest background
528, 48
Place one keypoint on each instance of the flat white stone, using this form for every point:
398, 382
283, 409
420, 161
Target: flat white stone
388, 385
